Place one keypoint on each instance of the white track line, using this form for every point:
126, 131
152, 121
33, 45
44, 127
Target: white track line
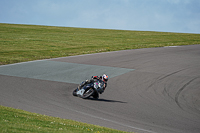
113, 121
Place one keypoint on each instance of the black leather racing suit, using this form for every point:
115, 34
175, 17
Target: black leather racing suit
92, 80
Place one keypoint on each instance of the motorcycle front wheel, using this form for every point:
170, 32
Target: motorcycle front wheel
74, 92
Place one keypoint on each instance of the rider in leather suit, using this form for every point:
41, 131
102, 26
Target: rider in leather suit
104, 78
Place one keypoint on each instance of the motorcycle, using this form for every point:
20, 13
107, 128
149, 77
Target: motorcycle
90, 89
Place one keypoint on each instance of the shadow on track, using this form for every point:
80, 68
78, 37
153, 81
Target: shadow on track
105, 100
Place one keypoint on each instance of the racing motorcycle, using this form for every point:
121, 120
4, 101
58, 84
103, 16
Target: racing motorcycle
90, 89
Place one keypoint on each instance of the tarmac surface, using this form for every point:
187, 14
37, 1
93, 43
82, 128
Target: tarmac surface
153, 90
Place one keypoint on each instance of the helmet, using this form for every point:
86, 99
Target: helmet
105, 77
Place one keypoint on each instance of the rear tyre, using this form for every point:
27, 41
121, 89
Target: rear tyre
95, 95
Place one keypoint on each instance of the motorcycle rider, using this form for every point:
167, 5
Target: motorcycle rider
104, 78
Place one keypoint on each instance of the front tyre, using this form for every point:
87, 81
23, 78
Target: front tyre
74, 92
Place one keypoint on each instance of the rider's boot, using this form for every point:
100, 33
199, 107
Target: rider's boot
82, 84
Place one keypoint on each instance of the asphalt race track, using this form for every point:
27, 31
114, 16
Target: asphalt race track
153, 90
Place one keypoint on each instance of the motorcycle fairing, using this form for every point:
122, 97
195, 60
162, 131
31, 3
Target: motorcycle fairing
81, 91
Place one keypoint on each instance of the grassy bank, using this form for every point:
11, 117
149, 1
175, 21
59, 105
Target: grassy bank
15, 120
19, 43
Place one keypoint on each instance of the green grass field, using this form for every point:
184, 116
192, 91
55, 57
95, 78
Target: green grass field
16, 120
20, 43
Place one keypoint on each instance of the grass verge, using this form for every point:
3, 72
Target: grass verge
16, 120
20, 43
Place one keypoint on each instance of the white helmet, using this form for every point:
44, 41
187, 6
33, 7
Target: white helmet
105, 77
